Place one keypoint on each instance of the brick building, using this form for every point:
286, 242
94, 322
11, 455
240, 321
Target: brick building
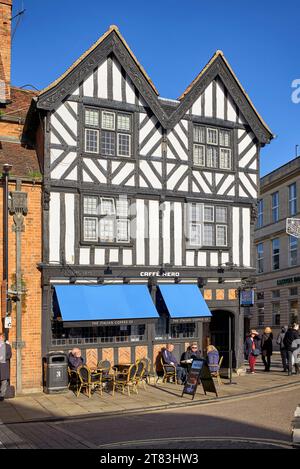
24, 177
278, 258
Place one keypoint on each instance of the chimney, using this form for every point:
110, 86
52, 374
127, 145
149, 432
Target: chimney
5, 49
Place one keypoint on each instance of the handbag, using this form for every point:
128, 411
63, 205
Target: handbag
256, 352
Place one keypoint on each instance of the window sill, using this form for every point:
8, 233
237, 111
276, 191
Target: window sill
105, 244
207, 168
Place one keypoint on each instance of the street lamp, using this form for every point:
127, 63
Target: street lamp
5, 175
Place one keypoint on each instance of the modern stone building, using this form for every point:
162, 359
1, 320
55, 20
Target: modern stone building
278, 260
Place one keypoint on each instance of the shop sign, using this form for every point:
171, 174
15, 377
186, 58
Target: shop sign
111, 323
287, 281
247, 298
158, 274
194, 319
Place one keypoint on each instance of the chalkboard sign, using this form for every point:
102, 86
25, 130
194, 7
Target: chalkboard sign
199, 372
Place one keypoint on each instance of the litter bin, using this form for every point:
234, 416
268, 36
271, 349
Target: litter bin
55, 372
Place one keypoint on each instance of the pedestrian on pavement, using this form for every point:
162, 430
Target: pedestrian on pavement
267, 347
192, 353
296, 354
212, 358
291, 335
170, 359
283, 350
5, 356
75, 360
252, 349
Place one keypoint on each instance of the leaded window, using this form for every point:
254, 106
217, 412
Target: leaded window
212, 147
207, 225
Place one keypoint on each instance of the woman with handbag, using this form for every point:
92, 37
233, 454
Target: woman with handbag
252, 349
267, 347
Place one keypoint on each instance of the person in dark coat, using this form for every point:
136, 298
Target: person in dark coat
75, 359
291, 334
192, 353
5, 356
283, 351
267, 347
252, 349
170, 359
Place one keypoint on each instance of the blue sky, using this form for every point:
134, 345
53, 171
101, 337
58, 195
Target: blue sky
173, 40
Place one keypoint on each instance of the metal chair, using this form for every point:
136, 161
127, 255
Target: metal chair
90, 381
216, 373
169, 371
126, 379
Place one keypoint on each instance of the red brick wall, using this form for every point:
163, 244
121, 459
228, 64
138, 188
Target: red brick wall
5, 41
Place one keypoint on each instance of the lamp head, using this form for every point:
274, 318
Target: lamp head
6, 168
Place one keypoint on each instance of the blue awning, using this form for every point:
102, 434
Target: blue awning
104, 302
184, 301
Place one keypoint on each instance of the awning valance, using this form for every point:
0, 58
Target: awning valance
184, 301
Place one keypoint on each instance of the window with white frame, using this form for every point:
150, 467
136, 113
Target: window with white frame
208, 225
212, 147
108, 133
105, 219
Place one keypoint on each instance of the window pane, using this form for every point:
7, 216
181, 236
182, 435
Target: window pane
212, 157
91, 140
122, 208
208, 213
199, 134
199, 155
275, 249
212, 136
108, 120
124, 144
224, 138
293, 248
195, 212
221, 214
90, 229
107, 143
107, 207
122, 230
91, 118
275, 207
107, 229
195, 234
221, 236
260, 214
90, 205
292, 199
225, 158
208, 235
123, 122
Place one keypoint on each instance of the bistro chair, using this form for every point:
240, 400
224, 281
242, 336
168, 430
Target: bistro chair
126, 379
216, 373
169, 371
73, 379
90, 381
139, 376
147, 372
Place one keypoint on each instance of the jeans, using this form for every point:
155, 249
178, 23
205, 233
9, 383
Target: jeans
3, 387
284, 358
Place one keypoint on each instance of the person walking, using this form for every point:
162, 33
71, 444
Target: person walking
252, 349
5, 356
291, 335
283, 350
267, 347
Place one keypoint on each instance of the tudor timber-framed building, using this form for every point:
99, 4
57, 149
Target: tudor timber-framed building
143, 189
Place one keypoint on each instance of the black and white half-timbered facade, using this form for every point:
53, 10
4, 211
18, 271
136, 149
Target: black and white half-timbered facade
144, 190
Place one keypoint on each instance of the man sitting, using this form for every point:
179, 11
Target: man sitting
75, 359
170, 359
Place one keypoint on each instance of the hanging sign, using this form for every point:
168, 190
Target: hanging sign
247, 298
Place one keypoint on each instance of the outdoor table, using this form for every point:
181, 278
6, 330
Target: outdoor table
121, 367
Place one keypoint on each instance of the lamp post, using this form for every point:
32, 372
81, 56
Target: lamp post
5, 175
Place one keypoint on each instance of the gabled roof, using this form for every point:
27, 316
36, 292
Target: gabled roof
167, 114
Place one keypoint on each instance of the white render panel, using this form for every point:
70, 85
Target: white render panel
102, 80
74, 106
114, 255
166, 233
127, 257
68, 118
248, 157
231, 112
214, 259
76, 92
184, 186
130, 182
94, 170
170, 154
150, 175
253, 177
177, 233
228, 181
242, 193
190, 258
70, 228
208, 176
209, 101
177, 147
88, 86
236, 235
123, 173
218, 177
150, 144
201, 182
54, 154
252, 191
99, 256
173, 180
246, 237
117, 81
86, 177
182, 135
54, 140
62, 131
247, 140
59, 170
224, 257
220, 101
196, 108
140, 232
54, 228
130, 92
153, 232
72, 176
84, 256
202, 259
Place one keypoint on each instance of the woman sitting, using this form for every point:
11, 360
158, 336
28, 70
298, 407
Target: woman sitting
212, 358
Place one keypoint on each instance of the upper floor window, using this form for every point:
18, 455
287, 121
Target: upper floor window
293, 248
275, 253
260, 213
212, 147
207, 225
260, 258
275, 207
105, 219
107, 133
293, 199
